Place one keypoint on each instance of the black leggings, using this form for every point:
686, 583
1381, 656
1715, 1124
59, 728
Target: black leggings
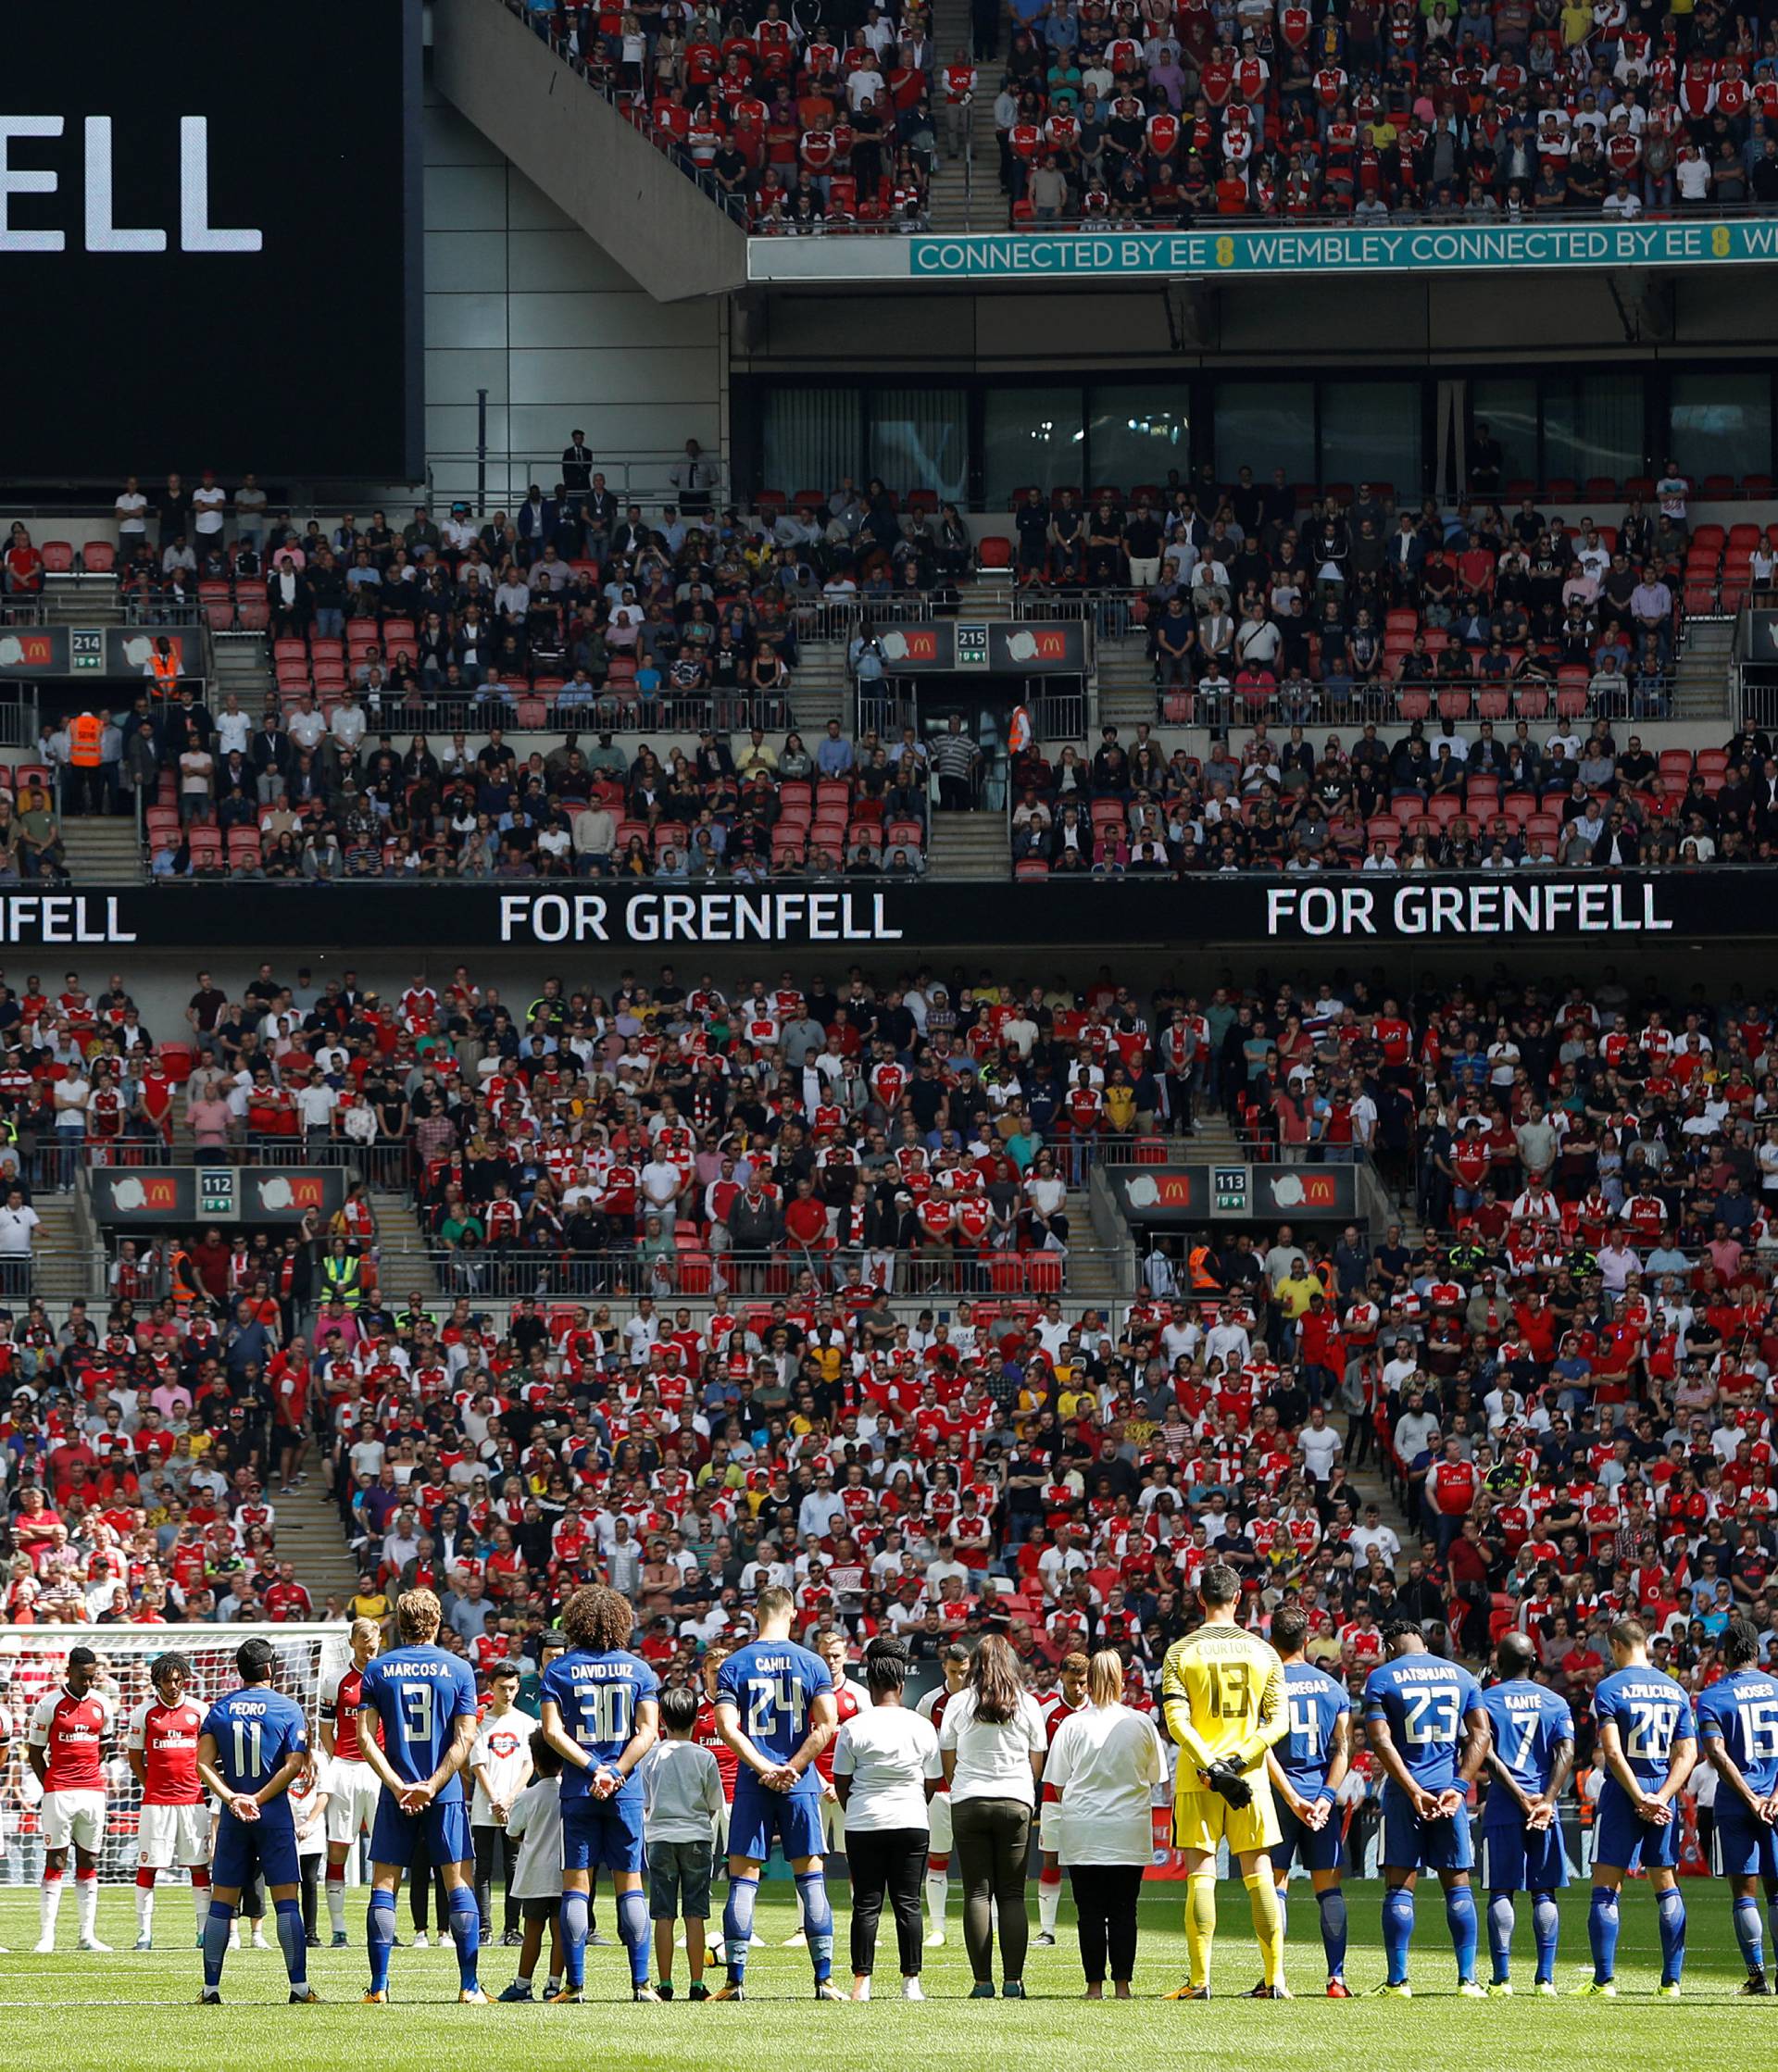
1105, 1907
993, 1839
494, 1857
892, 1860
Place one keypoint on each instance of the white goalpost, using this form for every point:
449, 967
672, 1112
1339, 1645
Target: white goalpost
32, 1661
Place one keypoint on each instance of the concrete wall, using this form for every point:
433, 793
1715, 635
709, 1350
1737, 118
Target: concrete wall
608, 176
521, 302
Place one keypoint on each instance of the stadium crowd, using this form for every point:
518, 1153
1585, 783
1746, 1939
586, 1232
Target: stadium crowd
1130, 114
1575, 1349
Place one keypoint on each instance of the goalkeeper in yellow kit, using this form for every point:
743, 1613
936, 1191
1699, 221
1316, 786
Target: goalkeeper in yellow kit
1223, 1697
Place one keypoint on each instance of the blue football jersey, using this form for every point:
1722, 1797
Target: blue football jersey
254, 1731
1423, 1698
1651, 1713
1741, 1711
1316, 1704
597, 1696
419, 1693
1530, 1723
773, 1684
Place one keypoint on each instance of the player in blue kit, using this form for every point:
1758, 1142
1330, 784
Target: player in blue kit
253, 1748
1648, 1745
1531, 1761
1737, 1728
601, 1716
1429, 1729
423, 1700
1307, 1769
775, 1707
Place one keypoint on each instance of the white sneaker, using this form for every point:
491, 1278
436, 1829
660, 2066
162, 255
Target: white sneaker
797, 1941
936, 1940
45, 1947
235, 1938
259, 1941
93, 1947
420, 1942
910, 1989
144, 1942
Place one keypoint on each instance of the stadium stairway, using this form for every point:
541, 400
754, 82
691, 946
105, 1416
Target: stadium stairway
62, 1266
1703, 683
1126, 683
102, 850
970, 845
307, 1530
244, 665
950, 206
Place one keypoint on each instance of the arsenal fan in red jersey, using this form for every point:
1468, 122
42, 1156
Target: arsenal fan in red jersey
70, 1727
173, 1828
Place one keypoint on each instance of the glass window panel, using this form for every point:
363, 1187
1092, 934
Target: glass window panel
1371, 434
1138, 435
1720, 424
920, 439
1592, 426
1263, 425
813, 438
1510, 410
1031, 439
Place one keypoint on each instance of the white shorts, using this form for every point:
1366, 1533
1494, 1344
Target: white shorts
939, 1807
352, 1801
832, 1827
173, 1834
73, 1816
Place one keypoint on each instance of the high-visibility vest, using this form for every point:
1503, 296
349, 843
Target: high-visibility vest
166, 668
1018, 735
85, 731
342, 1277
1201, 1267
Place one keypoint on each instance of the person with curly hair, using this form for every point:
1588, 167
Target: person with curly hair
602, 1716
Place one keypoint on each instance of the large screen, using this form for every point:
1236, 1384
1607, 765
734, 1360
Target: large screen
209, 238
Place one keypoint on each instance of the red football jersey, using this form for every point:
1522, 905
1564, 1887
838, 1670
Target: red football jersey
74, 1731
167, 1738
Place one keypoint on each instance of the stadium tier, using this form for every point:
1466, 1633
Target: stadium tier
889, 1011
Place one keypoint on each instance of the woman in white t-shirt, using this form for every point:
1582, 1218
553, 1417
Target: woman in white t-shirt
885, 1765
993, 1743
1098, 1789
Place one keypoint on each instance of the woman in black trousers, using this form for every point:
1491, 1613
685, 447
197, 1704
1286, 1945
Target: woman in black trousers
885, 1767
1102, 1766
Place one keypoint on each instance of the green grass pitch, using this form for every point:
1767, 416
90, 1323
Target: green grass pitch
125, 2012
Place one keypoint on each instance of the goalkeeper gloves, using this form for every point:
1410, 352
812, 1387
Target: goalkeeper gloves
1222, 1777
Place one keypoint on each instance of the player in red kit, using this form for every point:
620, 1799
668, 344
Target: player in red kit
1063, 1704
938, 1860
353, 1790
66, 1749
161, 1746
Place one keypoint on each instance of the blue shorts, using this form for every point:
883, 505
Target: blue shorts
795, 1818
1314, 1848
1746, 1847
394, 1835
1622, 1839
1411, 1843
1522, 1859
602, 1834
246, 1848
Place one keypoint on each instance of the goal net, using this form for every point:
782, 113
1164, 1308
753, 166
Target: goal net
32, 1661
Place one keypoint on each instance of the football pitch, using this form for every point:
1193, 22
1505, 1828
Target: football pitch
126, 2012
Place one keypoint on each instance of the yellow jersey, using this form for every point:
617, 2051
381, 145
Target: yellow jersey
1222, 1694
